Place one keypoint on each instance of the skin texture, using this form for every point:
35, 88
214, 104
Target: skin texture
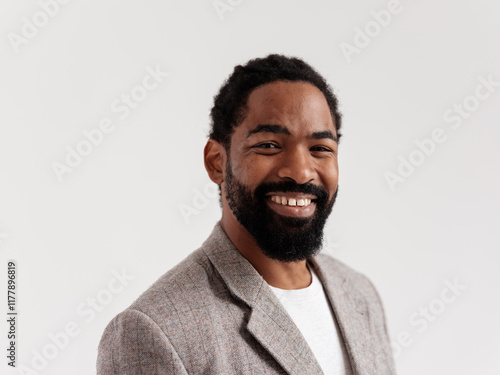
271, 157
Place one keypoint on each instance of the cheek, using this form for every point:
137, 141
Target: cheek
254, 173
253, 170
331, 176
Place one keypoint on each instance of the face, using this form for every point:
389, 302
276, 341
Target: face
282, 172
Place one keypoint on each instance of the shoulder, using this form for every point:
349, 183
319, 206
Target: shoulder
182, 287
166, 309
128, 343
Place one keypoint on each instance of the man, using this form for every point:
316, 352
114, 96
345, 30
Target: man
256, 298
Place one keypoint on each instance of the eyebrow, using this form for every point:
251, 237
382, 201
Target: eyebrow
322, 135
267, 128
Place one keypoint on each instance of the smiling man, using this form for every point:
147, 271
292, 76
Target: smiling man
257, 297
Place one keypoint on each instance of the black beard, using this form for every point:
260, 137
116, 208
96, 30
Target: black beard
283, 238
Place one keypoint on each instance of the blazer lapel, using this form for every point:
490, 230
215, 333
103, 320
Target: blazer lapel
352, 314
275, 330
269, 322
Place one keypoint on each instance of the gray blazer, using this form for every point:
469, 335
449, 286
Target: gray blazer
214, 314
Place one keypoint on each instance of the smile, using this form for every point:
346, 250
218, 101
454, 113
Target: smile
291, 201
290, 205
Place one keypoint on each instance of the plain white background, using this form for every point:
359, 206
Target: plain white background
141, 201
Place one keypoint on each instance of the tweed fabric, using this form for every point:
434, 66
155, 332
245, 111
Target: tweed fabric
214, 314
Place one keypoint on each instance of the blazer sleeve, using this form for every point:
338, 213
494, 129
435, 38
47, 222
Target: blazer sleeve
385, 342
134, 344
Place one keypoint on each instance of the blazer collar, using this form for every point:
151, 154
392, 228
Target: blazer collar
269, 322
351, 311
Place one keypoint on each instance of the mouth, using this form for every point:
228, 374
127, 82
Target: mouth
292, 204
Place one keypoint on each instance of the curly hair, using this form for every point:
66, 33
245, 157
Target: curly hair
230, 104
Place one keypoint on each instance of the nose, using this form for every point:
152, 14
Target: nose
297, 165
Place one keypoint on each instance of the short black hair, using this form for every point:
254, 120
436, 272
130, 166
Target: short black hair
230, 104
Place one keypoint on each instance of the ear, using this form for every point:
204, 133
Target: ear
214, 156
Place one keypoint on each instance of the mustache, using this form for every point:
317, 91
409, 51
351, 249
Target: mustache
292, 187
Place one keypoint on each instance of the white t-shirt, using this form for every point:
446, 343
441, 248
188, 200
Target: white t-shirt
312, 314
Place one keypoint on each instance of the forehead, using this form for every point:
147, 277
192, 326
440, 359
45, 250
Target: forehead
299, 106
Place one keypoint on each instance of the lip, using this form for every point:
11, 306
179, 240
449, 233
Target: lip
293, 211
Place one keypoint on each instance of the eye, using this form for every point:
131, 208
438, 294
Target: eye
267, 145
321, 148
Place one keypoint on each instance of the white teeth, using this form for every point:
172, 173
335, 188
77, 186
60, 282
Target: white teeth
302, 202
